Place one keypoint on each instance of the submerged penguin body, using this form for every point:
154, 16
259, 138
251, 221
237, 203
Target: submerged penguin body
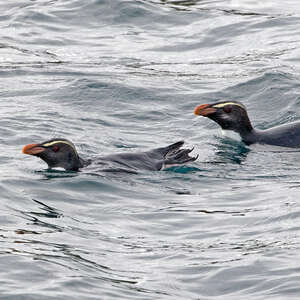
62, 153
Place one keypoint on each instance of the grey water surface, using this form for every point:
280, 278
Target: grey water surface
122, 76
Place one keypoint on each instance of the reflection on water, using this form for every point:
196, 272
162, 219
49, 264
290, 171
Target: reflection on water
180, 4
59, 253
231, 151
56, 174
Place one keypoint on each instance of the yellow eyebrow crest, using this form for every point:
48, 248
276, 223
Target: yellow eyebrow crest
63, 142
229, 103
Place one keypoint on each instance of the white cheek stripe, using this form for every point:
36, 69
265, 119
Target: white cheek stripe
56, 142
229, 103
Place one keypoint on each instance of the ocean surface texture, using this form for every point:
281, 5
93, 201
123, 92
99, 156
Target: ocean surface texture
122, 76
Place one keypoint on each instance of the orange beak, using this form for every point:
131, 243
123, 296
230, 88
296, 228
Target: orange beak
32, 149
204, 110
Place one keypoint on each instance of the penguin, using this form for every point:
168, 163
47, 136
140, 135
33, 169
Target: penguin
233, 116
62, 153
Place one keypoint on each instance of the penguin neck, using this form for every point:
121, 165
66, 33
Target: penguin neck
84, 162
77, 164
250, 136
247, 133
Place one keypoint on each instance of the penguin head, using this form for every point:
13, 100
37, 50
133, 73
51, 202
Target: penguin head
56, 153
230, 115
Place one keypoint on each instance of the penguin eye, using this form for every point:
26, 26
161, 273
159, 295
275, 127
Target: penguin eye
55, 148
227, 109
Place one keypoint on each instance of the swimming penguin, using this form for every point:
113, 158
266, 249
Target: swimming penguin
232, 115
62, 153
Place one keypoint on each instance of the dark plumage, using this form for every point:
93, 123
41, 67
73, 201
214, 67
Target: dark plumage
62, 153
232, 115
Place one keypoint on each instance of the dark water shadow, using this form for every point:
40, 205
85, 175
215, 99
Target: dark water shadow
238, 213
200, 5
62, 254
184, 169
55, 173
47, 212
229, 150
35, 218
